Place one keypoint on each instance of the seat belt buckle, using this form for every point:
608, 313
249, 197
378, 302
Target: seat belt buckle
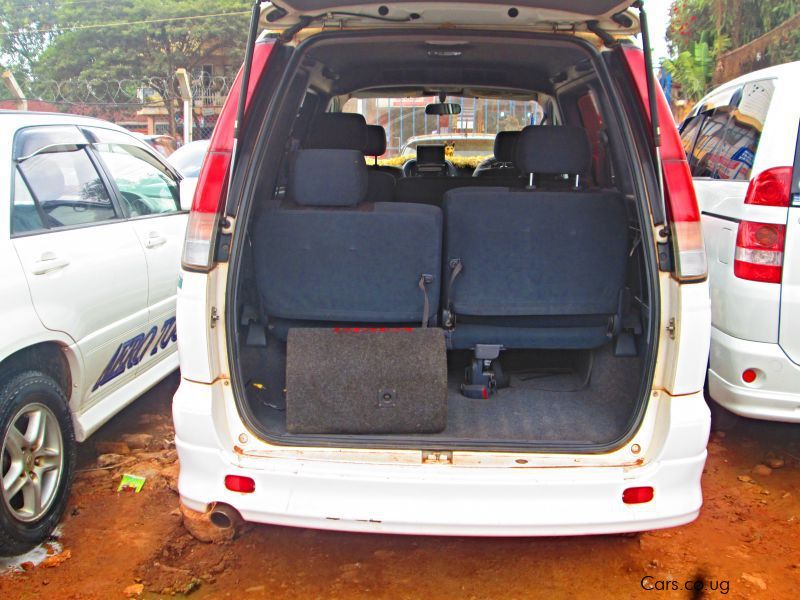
476, 391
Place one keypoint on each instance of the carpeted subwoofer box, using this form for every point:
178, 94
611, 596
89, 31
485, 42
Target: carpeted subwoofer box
366, 380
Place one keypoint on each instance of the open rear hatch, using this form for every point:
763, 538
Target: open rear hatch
328, 353
611, 16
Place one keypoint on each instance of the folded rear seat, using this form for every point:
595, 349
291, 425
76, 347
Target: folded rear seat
535, 268
326, 258
431, 190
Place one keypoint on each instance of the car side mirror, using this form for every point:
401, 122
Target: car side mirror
187, 187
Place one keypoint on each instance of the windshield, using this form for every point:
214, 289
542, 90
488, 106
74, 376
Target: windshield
189, 158
468, 137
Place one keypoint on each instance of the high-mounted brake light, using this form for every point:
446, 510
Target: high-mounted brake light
683, 213
771, 187
212, 184
759, 251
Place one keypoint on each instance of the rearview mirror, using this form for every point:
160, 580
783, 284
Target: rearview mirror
443, 108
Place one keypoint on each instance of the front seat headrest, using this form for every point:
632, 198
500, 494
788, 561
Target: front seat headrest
553, 149
342, 131
322, 177
376, 141
505, 142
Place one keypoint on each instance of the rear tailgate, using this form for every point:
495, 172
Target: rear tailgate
789, 335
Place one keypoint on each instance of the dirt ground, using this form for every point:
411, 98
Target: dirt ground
746, 543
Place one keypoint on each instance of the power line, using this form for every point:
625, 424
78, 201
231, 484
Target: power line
122, 23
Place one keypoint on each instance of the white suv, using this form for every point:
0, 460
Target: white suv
91, 230
742, 144
520, 353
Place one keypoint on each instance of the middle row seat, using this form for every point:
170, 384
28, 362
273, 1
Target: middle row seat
327, 256
538, 268
349, 131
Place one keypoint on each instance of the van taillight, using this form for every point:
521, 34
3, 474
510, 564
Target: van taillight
759, 251
679, 197
687, 232
212, 184
771, 187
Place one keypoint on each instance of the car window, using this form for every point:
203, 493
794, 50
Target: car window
468, 137
728, 135
67, 188
146, 187
25, 216
189, 158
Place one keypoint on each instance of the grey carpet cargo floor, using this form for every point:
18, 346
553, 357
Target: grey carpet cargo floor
548, 400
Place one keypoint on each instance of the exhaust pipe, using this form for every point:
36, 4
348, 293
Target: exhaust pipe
225, 517
220, 523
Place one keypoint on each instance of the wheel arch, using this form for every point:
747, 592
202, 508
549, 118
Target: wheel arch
50, 357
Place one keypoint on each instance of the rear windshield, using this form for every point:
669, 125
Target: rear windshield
468, 137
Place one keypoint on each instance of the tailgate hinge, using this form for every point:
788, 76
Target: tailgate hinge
437, 457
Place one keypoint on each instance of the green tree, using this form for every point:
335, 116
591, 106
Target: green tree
700, 31
132, 40
21, 42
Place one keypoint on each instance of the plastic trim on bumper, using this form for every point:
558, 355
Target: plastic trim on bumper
774, 396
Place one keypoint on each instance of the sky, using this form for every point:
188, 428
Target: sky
657, 19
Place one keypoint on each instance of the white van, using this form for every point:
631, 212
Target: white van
428, 350
742, 144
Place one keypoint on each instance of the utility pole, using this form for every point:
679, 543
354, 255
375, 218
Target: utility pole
13, 87
185, 87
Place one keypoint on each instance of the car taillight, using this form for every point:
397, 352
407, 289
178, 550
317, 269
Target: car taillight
687, 232
680, 200
212, 184
759, 251
771, 187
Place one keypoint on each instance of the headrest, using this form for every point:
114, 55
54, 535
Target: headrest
504, 144
329, 177
376, 141
342, 131
553, 149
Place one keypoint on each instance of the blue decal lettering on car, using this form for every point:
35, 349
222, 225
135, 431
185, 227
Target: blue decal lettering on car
131, 352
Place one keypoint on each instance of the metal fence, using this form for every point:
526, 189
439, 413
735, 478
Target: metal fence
152, 103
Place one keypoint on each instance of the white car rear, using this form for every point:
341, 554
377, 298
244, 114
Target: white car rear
494, 469
742, 144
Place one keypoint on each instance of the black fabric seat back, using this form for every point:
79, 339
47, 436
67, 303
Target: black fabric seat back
328, 257
349, 131
538, 269
502, 163
376, 146
431, 190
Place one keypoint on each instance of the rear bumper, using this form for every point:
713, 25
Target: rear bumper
773, 396
434, 499
444, 501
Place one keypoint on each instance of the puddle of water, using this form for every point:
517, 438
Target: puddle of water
11, 564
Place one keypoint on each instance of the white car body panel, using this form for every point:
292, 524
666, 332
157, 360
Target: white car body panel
790, 287
104, 291
755, 325
97, 302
